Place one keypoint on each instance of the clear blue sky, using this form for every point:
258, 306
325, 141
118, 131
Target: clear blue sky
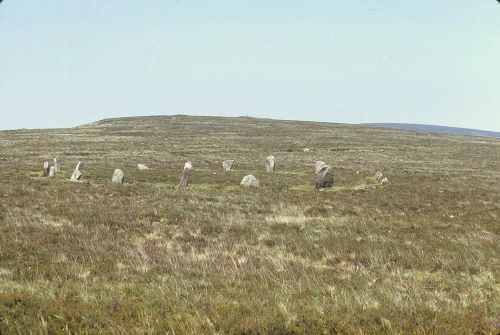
64, 63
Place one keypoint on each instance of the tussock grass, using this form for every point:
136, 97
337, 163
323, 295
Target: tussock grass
416, 255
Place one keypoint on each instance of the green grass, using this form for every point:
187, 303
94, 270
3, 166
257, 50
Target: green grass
419, 254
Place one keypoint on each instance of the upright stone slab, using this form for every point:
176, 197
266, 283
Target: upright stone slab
77, 174
118, 176
320, 165
228, 165
52, 171
325, 178
57, 167
186, 173
250, 180
270, 163
46, 169
142, 167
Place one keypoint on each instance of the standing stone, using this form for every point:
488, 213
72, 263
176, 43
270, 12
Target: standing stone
57, 167
142, 167
270, 163
186, 173
77, 174
325, 178
379, 175
46, 169
320, 165
250, 180
52, 171
118, 176
228, 165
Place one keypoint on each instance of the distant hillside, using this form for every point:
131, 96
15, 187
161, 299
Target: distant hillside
438, 129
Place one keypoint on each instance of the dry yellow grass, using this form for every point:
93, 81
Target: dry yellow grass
419, 254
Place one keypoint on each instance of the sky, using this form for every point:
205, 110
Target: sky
65, 63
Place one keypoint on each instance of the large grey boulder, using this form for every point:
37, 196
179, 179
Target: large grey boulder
228, 165
270, 161
324, 178
142, 167
250, 180
186, 173
46, 169
52, 171
57, 167
118, 176
320, 165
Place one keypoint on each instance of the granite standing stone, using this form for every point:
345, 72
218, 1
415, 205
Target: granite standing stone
228, 165
52, 171
250, 180
270, 163
118, 176
77, 174
57, 167
325, 178
186, 173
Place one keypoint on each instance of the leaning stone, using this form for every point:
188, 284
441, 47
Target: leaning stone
118, 176
270, 163
250, 180
57, 167
52, 171
46, 169
80, 165
325, 178
76, 175
320, 165
142, 167
186, 173
379, 175
228, 165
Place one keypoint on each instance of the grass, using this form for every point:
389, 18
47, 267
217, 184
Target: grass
419, 254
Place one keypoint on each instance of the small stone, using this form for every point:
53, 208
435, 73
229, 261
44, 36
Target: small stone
186, 173
379, 175
228, 165
270, 160
118, 176
384, 180
142, 167
46, 169
250, 180
57, 167
52, 171
325, 178
320, 165
306, 149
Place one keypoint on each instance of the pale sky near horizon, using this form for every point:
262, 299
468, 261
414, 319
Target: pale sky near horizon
65, 63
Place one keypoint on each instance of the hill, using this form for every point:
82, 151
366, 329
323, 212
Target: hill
419, 254
438, 129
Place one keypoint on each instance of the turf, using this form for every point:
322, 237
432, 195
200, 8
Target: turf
419, 254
